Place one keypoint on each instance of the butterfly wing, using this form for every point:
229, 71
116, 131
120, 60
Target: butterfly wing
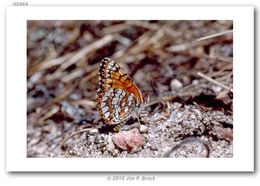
117, 95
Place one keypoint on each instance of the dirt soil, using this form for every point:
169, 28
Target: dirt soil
184, 70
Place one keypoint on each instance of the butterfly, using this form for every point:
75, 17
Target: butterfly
118, 97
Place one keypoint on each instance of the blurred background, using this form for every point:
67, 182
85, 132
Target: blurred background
184, 62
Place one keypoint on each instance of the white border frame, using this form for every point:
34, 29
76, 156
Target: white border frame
16, 90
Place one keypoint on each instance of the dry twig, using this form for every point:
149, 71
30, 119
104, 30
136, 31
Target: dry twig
215, 35
75, 133
214, 81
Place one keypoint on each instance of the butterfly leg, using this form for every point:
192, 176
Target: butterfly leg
137, 115
129, 127
132, 126
138, 119
121, 126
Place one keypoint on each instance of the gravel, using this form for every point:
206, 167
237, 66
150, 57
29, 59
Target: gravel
163, 137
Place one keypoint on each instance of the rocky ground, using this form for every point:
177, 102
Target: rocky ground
183, 131
184, 70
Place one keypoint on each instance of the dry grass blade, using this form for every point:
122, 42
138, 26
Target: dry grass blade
78, 57
53, 111
84, 103
73, 75
115, 28
144, 24
67, 91
75, 133
49, 63
215, 35
214, 81
89, 48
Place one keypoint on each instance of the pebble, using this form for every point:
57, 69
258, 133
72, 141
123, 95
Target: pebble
91, 139
116, 152
216, 89
143, 129
175, 84
151, 136
195, 82
110, 146
176, 105
148, 145
154, 148
93, 131
192, 116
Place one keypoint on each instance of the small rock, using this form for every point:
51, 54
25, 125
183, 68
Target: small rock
150, 136
35, 77
110, 146
175, 84
195, 82
192, 116
93, 131
143, 129
216, 88
186, 80
129, 140
105, 153
148, 145
223, 95
154, 148
34, 141
116, 153
71, 152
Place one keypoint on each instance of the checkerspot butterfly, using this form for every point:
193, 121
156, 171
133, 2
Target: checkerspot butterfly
117, 95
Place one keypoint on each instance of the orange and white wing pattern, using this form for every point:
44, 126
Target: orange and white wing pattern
117, 95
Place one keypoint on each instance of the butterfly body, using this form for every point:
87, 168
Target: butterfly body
117, 95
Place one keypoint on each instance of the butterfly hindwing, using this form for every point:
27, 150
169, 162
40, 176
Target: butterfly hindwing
117, 95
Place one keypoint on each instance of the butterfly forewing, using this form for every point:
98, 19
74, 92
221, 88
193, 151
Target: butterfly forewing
117, 95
